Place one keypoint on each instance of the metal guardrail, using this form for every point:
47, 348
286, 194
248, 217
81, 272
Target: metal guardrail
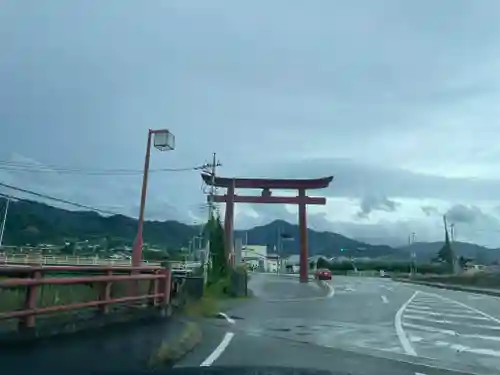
65, 260
38, 259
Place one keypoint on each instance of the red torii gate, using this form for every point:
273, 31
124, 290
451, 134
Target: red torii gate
301, 185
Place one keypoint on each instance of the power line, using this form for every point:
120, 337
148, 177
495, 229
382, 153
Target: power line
26, 167
56, 199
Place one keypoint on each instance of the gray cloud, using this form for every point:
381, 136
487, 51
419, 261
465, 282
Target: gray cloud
360, 90
371, 203
430, 210
355, 179
468, 215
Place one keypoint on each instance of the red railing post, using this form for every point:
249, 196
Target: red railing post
105, 294
159, 294
30, 302
165, 289
168, 285
153, 290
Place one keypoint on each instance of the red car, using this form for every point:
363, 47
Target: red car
323, 274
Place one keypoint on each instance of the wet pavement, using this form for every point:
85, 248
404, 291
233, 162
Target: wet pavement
351, 324
365, 326
122, 348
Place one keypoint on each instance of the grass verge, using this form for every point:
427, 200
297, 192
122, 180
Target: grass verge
171, 352
210, 304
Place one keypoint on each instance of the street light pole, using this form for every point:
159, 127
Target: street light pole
4, 220
164, 140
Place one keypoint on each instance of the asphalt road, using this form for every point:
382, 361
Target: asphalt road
356, 325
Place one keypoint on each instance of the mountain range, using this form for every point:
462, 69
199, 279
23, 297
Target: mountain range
35, 223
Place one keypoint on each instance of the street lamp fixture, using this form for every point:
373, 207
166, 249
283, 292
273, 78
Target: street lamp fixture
163, 141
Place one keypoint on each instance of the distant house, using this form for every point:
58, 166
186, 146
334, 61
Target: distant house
293, 260
254, 256
272, 262
292, 263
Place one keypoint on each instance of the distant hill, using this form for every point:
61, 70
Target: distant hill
34, 222
425, 251
320, 243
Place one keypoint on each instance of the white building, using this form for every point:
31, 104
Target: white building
272, 263
292, 263
255, 256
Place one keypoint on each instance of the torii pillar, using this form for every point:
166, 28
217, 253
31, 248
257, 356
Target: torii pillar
302, 200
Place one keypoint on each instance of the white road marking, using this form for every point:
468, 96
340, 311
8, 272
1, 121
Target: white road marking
218, 350
462, 348
450, 332
403, 339
350, 288
227, 317
460, 316
430, 329
444, 321
331, 291
467, 307
444, 309
415, 338
467, 349
384, 299
417, 307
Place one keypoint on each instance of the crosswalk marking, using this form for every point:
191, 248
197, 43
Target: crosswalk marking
431, 321
444, 321
451, 315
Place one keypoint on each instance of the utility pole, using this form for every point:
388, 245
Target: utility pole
213, 165
411, 240
211, 207
7, 199
414, 254
452, 237
452, 242
278, 265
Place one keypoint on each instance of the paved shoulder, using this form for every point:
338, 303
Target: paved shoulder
363, 326
257, 350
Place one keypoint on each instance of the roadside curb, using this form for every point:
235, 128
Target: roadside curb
490, 292
172, 350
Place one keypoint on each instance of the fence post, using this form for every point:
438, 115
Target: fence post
153, 289
30, 302
105, 294
165, 289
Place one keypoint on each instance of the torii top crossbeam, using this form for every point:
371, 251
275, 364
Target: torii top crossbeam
268, 183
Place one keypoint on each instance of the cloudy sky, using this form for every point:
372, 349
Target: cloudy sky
397, 99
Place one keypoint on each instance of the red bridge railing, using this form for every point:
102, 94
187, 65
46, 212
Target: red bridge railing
103, 287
